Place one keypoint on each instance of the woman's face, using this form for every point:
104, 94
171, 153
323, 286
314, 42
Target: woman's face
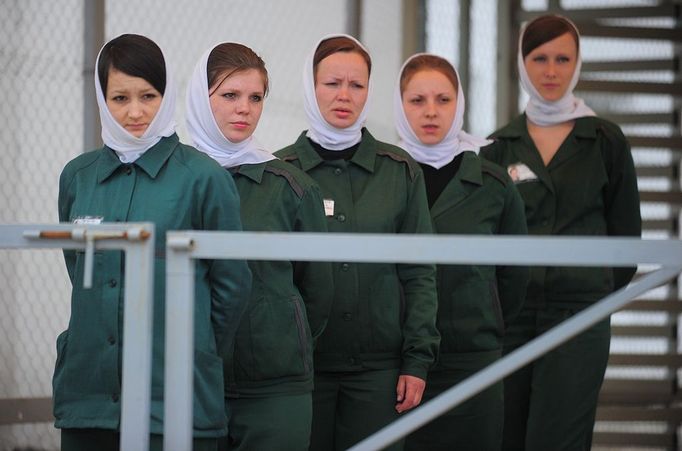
132, 101
550, 66
341, 85
238, 103
430, 104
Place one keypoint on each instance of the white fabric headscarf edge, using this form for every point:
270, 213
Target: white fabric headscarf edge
455, 141
204, 131
543, 112
320, 131
129, 148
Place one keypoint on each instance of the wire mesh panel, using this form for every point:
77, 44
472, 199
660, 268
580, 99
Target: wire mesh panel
41, 83
282, 33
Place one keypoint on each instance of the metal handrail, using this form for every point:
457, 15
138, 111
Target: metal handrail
136, 240
184, 246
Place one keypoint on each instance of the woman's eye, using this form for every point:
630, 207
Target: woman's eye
256, 98
119, 98
539, 59
230, 95
357, 85
331, 84
444, 99
149, 96
563, 59
416, 100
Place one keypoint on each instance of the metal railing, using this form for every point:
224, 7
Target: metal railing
136, 240
184, 246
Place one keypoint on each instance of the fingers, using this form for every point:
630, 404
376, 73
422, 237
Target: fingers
400, 389
413, 392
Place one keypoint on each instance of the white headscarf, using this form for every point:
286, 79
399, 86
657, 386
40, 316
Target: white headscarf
455, 141
204, 131
128, 147
543, 112
321, 132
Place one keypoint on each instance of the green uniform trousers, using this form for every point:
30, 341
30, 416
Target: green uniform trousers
551, 403
350, 406
474, 425
109, 440
279, 423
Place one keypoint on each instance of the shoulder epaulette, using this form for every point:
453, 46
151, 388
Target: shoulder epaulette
399, 158
290, 157
293, 183
495, 171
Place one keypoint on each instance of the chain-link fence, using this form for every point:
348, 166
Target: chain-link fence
45, 81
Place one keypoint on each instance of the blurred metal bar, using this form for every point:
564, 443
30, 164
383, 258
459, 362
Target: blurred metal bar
414, 27
666, 142
662, 10
507, 41
464, 69
25, 410
630, 65
630, 87
354, 18
642, 118
93, 40
603, 31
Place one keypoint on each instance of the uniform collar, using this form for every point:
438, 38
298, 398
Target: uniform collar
252, 171
150, 162
364, 157
585, 127
470, 169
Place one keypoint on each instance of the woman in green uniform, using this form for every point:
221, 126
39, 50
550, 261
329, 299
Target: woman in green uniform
467, 195
143, 173
372, 359
576, 176
269, 371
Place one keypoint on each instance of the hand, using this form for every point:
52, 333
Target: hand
410, 390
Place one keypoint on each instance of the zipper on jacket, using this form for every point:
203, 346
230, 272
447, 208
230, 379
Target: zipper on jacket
302, 338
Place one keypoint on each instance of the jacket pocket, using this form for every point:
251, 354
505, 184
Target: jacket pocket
274, 341
497, 307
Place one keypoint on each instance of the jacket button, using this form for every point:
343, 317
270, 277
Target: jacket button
347, 316
129, 170
345, 266
114, 397
341, 218
112, 283
111, 340
338, 171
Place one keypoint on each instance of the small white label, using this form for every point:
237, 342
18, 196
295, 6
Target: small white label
520, 173
329, 207
88, 220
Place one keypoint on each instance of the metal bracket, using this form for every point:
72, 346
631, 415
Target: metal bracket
132, 234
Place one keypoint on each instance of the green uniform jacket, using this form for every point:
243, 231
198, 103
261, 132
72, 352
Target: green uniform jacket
290, 301
175, 187
476, 303
588, 188
383, 315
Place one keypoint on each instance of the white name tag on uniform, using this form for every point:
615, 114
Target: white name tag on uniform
88, 220
520, 173
328, 207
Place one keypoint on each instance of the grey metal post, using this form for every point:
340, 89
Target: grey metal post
137, 346
93, 39
464, 43
179, 371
